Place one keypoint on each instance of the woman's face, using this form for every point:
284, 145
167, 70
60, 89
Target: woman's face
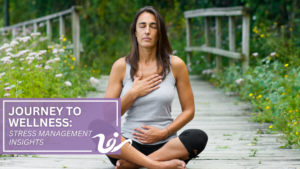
146, 30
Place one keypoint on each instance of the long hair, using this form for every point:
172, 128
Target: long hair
164, 48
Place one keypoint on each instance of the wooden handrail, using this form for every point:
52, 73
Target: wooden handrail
218, 13
72, 13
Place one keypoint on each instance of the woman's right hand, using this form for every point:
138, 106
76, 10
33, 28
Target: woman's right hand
145, 86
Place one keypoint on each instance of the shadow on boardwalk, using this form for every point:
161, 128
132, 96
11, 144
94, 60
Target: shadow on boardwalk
233, 141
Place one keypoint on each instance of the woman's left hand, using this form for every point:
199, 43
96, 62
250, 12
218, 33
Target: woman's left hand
152, 135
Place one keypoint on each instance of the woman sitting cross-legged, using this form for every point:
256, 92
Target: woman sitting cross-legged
146, 80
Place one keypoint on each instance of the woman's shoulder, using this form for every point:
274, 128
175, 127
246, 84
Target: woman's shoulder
119, 67
120, 64
177, 65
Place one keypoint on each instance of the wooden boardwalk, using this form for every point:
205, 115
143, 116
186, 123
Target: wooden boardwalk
234, 142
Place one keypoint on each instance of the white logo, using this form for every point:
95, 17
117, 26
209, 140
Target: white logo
110, 147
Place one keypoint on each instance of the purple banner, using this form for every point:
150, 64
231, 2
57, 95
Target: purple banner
60, 126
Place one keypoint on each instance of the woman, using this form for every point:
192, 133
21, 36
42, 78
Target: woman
146, 79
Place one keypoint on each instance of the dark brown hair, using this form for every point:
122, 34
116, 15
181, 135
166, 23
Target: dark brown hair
163, 44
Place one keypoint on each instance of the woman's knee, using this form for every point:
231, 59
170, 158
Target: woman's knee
197, 138
112, 160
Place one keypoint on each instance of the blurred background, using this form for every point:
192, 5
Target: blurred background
104, 25
271, 83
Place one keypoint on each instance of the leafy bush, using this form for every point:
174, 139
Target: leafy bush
29, 71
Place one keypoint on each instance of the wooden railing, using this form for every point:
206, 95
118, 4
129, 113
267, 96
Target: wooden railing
72, 13
218, 13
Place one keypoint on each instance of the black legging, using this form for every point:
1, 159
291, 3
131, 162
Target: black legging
192, 139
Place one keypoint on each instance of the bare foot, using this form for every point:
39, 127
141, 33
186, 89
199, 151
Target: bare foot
123, 164
171, 164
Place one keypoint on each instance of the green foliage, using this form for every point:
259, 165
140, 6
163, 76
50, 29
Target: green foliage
273, 89
29, 71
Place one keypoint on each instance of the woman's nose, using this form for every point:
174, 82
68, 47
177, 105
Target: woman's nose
147, 31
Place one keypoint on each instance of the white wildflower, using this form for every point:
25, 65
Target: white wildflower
58, 75
6, 84
13, 43
23, 52
207, 71
41, 24
5, 45
238, 81
55, 51
25, 39
8, 49
47, 67
39, 58
30, 61
13, 67
68, 83
273, 54
32, 54
254, 54
29, 58
10, 54
2, 74
21, 59
5, 58
56, 59
7, 89
8, 61
43, 38
39, 66
21, 68
7, 95
61, 50
35, 34
94, 81
50, 61
41, 52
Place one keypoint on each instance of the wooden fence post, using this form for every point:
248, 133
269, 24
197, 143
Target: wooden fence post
231, 37
246, 41
62, 27
35, 29
13, 33
207, 41
218, 43
76, 35
188, 39
24, 30
49, 30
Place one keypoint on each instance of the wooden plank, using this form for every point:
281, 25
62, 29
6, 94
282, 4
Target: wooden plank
49, 30
188, 39
62, 26
229, 145
76, 35
207, 41
231, 11
246, 41
232, 27
218, 43
216, 51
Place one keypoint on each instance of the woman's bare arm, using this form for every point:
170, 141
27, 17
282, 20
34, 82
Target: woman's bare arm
185, 94
139, 87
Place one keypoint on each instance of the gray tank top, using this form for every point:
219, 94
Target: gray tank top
153, 109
